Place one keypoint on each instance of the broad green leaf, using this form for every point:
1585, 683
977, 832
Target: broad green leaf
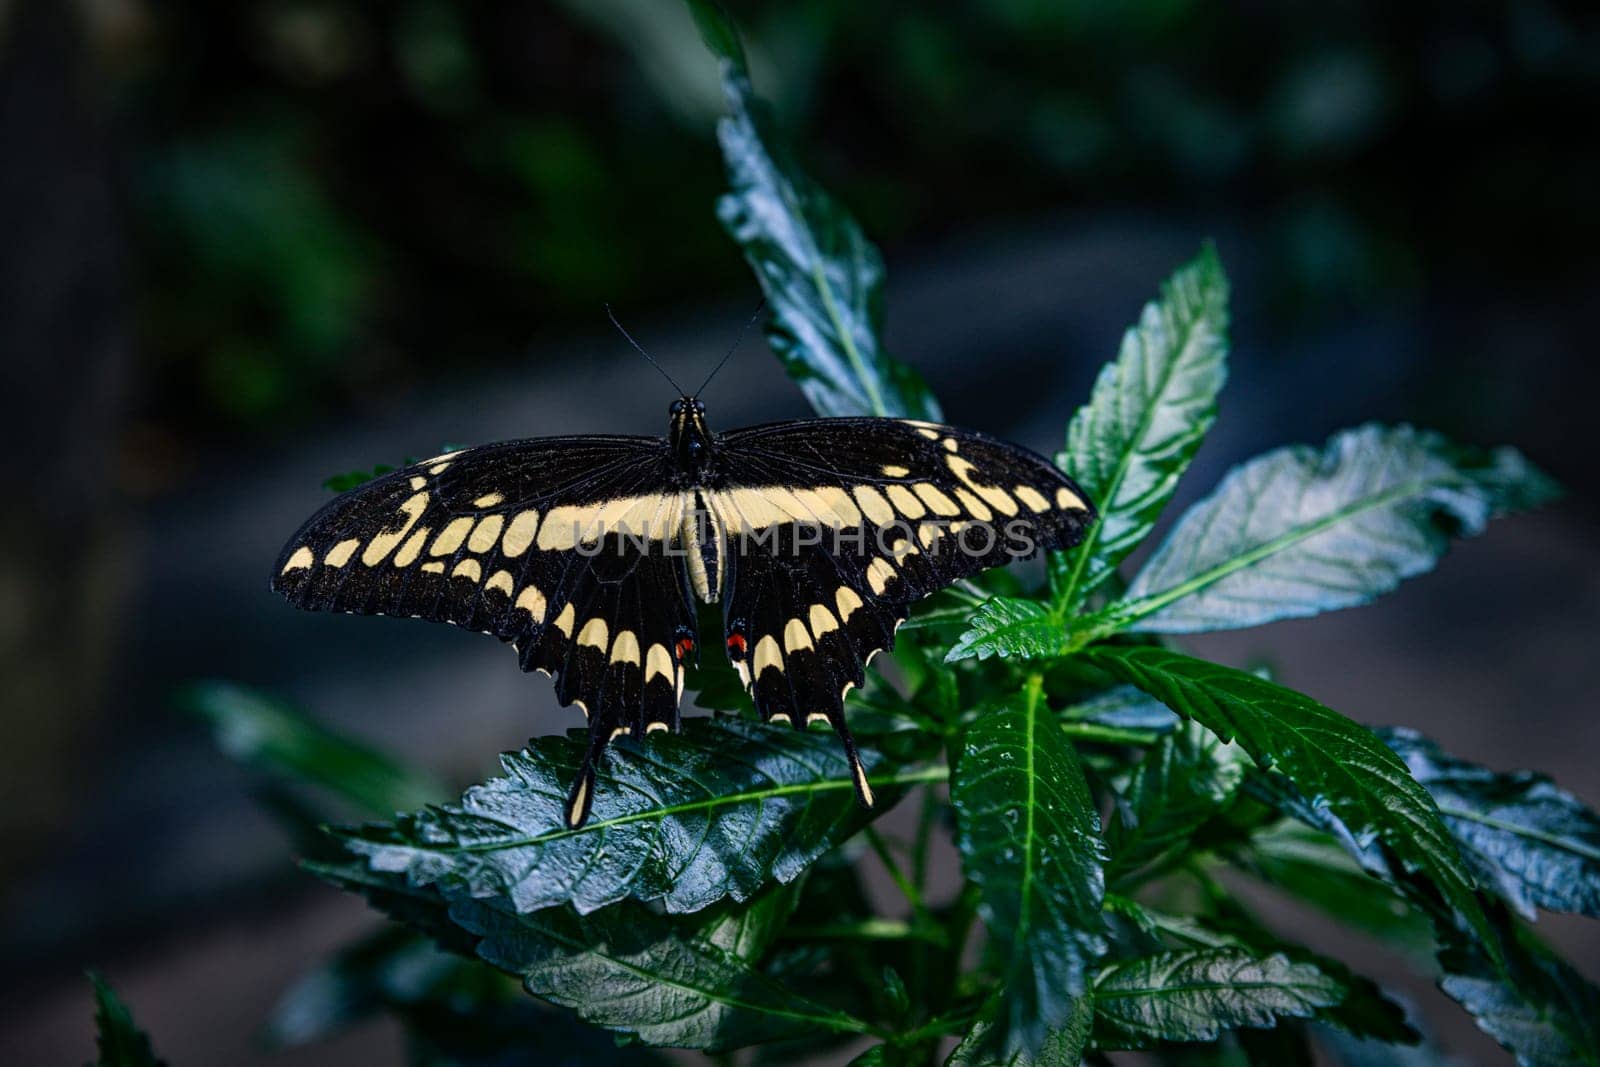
1029, 838
1312, 866
118, 1040
1062, 1046
1534, 844
626, 967
1181, 783
717, 811
1334, 762
1194, 994
822, 277
1297, 531
268, 735
1010, 627
1149, 411
1538, 1007
1123, 707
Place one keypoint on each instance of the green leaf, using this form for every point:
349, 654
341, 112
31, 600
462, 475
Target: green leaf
1296, 531
268, 735
1335, 763
119, 1040
717, 31
1183, 781
1029, 838
1146, 418
1195, 994
1312, 866
1123, 707
688, 819
822, 277
343, 483
628, 968
670, 980
1534, 844
1010, 627
1538, 1007
1062, 1046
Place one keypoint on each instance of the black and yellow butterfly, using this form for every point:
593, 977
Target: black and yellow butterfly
586, 554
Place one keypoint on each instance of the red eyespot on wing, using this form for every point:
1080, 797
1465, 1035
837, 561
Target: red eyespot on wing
685, 648
736, 646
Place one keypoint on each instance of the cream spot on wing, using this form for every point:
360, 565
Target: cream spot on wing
1032, 497
579, 799
594, 633
412, 548
903, 548
467, 568
451, 536
655, 727
766, 655
418, 482
438, 468
486, 533
928, 533
879, 574
975, 507
831, 505
658, 661
564, 620
795, 636
582, 707
998, 498
1067, 500
625, 649
822, 620
816, 717
381, 545
519, 535
950, 444
618, 732
500, 580
845, 692
873, 506
489, 500
862, 784
936, 500
301, 559
906, 502
340, 553
532, 601
894, 470
848, 601
433, 568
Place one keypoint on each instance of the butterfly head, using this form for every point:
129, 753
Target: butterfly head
691, 440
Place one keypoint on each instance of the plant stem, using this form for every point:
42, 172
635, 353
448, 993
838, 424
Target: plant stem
912, 894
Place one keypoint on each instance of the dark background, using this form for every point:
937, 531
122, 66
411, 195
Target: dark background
244, 246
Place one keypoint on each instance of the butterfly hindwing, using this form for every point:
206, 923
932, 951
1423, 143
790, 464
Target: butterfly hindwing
563, 547
837, 526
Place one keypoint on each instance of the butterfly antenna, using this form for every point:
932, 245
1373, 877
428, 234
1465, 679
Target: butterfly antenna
640, 349
737, 341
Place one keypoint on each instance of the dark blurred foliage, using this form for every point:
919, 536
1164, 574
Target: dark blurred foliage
328, 198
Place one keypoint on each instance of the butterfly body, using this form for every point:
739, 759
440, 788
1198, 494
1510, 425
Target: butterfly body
587, 554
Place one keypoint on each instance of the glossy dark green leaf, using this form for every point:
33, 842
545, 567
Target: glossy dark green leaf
822, 277
1182, 782
1196, 994
1300, 531
1534, 844
687, 819
1062, 1046
1123, 707
269, 735
1029, 837
630, 969
1312, 866
118, 1040
1146, 418
1538, 1007
1010, 627
1334, 762
669, 980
